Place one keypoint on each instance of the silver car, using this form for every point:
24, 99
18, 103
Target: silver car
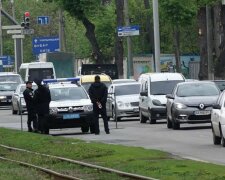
191, 102
123, 100
18, 102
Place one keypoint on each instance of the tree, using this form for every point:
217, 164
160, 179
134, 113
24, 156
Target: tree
82, 9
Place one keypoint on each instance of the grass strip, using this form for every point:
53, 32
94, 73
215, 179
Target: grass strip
152, 163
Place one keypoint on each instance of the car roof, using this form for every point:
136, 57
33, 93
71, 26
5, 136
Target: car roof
91, 78
196, 82
126, 84
8, 73
62, 85
163, 76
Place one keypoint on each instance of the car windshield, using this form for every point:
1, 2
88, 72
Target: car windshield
163, 87
220, 84
11, 86
12, 78
200, 89
127, 89
70, 93
87, 85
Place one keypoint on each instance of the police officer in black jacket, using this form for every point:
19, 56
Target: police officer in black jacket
28, 96
98, 93
42, 99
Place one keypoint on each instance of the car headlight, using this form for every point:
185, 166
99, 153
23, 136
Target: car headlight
2, 97
88, 108
180, 106
53, 110
122, 105
156, 102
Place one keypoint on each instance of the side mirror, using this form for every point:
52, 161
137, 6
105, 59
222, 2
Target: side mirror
169, 96
144, 93
216, 106
156, 102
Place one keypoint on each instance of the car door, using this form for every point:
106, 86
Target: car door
217, 114
170, 102
143, 99
15, 98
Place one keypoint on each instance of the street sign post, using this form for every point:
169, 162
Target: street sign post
45, 44
128, 30
43, 20
27, 31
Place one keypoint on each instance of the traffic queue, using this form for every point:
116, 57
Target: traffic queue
153, 97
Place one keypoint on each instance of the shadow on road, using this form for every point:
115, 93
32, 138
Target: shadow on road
69, 134
195, 127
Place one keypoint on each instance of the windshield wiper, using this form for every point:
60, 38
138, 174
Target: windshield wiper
159, 94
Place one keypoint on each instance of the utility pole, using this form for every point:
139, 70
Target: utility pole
1, 45
62, 43
209, 41
156, 35
130, 71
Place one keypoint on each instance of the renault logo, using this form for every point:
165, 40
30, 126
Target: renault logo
70, 109
201, 106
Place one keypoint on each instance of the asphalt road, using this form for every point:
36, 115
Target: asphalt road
191, 141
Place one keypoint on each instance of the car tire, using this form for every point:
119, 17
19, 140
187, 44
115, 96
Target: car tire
222, 138
175, 125
85, 128
169, 123
151, 120
142, 118
13, 111
216, 139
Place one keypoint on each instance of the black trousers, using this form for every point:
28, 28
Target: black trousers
42, 122
32, 117
102, 112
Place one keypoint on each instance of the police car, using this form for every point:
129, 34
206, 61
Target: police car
70, 105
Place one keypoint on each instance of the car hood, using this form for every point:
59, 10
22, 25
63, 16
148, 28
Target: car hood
128, 98
196, 100
67, 103
6, 93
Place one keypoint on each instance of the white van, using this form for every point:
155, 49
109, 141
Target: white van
152, 100
37, 70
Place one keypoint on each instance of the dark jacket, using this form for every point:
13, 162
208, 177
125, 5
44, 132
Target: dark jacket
28, 97
42, 99
98, 92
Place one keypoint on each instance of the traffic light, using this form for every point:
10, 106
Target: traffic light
26, 20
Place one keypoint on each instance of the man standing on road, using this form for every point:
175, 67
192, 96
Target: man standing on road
42, 99
98, 93
28, 97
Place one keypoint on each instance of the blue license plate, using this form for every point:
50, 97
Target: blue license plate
71, 116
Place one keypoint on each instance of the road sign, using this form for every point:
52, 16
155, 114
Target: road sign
45, 44
18, 36
128, 30
27, 31
12, 27
14, 31
7, 61
43, 20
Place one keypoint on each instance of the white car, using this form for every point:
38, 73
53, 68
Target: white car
123, 100
218, 120
70, 107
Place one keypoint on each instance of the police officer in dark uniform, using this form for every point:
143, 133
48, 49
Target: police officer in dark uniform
28, 96
42, 99
98, 93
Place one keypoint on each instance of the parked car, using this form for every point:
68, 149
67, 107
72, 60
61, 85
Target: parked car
218, 120
117, 81
123, 100
10, 77
18, 102
154, 87
191, 102
220, 84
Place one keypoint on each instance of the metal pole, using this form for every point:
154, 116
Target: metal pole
129, 45
1, 45
156, 35
21, 115
13, 8
209, 41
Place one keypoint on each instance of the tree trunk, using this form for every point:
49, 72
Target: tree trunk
119, 41
203, 73
176, 38
149, 28
90, 34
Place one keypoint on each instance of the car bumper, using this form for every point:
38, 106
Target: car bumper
158, 112
56, 121
193, 115
131, 112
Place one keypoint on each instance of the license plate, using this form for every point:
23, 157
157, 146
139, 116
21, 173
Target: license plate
136, 109
71, 116
3, 100
202, 112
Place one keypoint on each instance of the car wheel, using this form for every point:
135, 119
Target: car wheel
114, 115
175, 125
13, 111
151, 120
142, 118
222, 138
85, 128
169, 123
216, 139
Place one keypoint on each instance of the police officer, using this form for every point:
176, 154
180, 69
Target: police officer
98, 93
28, 96
42, 99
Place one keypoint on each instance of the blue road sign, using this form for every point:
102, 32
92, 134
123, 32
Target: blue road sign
7, 61
45, 45
43, 20
128, 30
